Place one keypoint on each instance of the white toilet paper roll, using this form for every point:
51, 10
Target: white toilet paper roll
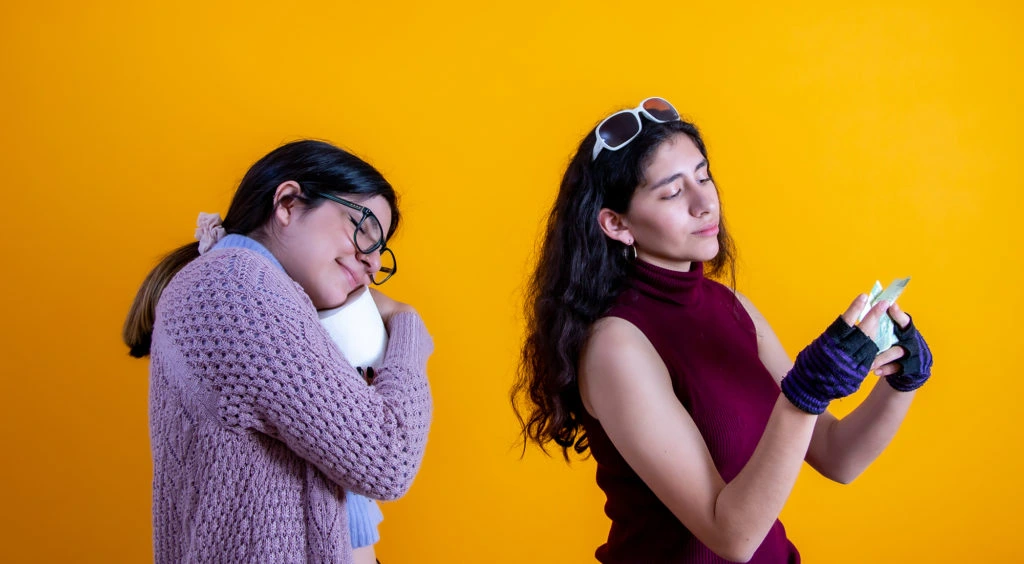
358, 330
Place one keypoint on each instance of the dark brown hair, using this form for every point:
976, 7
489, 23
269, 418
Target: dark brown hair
578, 275
311, 164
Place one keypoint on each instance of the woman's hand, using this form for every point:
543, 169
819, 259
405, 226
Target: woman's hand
868, 325
907, 365
835, 364
388, 306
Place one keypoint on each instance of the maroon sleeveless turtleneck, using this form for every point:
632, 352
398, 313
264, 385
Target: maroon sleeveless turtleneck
709, 345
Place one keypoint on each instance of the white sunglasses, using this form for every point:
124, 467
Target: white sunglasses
618, 129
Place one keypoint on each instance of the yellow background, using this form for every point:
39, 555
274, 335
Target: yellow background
850, 143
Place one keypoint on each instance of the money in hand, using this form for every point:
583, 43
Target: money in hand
886, 336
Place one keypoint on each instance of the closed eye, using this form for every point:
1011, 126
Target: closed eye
672, 195
355, 223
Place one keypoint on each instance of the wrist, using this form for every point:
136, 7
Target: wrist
801, 398
905, 383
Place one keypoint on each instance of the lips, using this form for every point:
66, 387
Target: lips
350, 275
707, 231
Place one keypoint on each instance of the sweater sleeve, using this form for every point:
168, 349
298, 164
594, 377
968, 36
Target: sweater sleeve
252, 338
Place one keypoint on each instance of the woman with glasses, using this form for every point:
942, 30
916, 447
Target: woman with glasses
264, 436
698, 420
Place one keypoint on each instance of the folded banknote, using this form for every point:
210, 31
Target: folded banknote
886, 336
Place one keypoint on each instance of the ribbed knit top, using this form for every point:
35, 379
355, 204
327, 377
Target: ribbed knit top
709, 346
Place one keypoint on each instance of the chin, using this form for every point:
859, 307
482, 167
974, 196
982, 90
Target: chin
710, 254
341, 299
331, 301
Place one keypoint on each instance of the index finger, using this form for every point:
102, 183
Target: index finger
869, 325
851, 313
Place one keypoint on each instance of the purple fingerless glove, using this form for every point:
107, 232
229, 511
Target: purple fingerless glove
831, 367
916, 363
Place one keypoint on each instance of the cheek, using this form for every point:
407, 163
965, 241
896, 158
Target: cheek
674, 224
662, 232
317, 263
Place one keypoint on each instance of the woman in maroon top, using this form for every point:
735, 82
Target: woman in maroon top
673, 380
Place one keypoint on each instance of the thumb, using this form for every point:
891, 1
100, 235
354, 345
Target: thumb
899, 316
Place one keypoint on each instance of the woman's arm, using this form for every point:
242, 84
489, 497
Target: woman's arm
841, 449
256, 344
626, 386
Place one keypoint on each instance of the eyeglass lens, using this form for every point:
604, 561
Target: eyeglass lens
368, 234
388, 266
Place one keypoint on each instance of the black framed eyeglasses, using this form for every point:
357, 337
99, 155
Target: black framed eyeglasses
368, 236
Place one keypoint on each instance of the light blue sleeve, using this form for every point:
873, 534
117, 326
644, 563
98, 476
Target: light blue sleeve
363, 518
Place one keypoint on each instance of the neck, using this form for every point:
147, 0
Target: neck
678, 266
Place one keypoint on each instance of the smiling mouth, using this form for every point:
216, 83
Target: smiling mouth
350, 275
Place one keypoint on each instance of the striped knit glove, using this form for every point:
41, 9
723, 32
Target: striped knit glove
831, 367
916, 363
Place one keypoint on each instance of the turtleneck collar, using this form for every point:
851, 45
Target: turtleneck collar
672, 286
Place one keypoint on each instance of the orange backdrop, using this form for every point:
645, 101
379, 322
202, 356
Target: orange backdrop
851, 143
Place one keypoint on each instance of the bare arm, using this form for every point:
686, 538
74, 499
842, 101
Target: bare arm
626, 386
842, 449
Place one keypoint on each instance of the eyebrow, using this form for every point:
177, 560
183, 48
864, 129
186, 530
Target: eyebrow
676, 176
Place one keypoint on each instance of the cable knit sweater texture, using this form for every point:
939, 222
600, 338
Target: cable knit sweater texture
259, 425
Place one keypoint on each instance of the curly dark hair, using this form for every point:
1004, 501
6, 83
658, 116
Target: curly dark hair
578, 276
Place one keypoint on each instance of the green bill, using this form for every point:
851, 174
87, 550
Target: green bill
886, 336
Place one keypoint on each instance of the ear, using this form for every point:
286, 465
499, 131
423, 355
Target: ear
615, 226
285, 202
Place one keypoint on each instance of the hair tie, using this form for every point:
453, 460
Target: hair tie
208, 231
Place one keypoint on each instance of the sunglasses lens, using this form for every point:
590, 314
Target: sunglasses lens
619, 129
660, 109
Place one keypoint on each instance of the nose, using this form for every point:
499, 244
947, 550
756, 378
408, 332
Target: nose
370, 261
703, 199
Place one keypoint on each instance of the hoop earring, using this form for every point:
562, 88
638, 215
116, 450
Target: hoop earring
629, 253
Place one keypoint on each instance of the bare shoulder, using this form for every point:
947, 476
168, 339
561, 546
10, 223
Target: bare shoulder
769, 348
748, 305
613, 342
618, 360
610, 331
760, 323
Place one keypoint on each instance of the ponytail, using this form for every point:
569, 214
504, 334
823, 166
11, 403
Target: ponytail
138, 326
